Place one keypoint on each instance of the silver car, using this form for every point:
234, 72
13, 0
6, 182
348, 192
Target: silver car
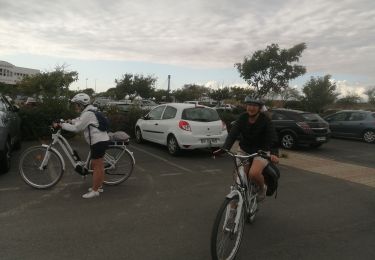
10, 132
353, 124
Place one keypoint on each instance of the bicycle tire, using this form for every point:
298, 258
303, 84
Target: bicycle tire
253, 206
123, 165
224, 243
30, 162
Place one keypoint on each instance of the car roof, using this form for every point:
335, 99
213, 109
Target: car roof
183, 105
354, 110
291, 110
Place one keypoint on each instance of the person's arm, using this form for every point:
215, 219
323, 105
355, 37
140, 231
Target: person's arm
79, 123
272, 141
232, 135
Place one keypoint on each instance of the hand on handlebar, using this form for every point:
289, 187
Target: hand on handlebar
274, 158
218, 152
56, 125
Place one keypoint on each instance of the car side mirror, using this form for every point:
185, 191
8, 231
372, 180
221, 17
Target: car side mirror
146, 117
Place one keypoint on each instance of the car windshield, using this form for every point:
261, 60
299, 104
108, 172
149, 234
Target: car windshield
311, 117
201, 114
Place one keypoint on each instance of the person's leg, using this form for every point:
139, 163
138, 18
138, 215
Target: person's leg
255, 172
97, 164
256, 175
98, 173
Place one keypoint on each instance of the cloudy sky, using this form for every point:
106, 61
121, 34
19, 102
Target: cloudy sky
194, 41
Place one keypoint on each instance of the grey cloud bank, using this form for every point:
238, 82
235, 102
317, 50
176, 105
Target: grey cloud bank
340, 35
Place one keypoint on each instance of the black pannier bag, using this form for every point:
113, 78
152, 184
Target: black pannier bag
271, 177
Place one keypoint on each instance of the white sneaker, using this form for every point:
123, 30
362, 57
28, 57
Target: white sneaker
100, 189
90, 194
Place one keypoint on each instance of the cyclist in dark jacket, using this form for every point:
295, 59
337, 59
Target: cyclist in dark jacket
257, 133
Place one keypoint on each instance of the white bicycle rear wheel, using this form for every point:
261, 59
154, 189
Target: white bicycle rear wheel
118, 164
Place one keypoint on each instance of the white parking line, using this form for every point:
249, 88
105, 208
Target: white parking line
9, 189
171, 174
212, 171
162, 159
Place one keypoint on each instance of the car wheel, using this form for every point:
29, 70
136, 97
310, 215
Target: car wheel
369, 136
172, 144
138, 135
5, 158
288, 141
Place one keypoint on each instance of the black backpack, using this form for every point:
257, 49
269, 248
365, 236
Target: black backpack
271, 177
102, 119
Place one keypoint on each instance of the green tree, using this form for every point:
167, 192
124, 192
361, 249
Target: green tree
350, 99
220, 94
272, 69
371, 95
319, 92
49, 84
143, 86
239, 93
88, 91
190, 92
160, 95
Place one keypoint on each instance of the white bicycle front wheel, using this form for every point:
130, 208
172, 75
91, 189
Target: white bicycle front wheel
118, 165
37, 175
225, 238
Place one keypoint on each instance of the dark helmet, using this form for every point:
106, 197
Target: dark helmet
253, 100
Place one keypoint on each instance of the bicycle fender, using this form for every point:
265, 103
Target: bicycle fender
234, 193
58, 154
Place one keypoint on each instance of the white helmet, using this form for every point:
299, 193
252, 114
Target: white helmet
81, 98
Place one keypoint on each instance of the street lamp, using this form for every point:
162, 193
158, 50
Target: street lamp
86, 82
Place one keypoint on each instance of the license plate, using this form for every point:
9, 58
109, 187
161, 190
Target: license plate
209, 140
321, 139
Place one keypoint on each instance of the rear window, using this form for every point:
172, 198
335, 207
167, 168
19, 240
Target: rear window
311, 117
201, 114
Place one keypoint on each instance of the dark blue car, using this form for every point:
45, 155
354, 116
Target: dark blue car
358, 124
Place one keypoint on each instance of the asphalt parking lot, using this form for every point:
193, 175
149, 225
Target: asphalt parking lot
166, 211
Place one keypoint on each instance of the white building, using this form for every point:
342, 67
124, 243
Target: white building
10, 74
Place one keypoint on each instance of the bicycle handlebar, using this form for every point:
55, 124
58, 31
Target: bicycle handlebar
260, 153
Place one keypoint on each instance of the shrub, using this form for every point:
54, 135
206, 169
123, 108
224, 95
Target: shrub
36, 120
125, 121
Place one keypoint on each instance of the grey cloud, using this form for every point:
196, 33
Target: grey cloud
339, 35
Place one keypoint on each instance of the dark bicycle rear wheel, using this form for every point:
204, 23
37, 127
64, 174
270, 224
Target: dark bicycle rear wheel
225, 240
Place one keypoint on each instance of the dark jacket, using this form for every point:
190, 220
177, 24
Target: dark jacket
260, 135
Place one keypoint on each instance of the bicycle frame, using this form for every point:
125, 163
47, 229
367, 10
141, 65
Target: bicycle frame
241, 187
57, 138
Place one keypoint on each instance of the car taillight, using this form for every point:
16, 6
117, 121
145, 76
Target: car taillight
184, 125
305, 127
224, 126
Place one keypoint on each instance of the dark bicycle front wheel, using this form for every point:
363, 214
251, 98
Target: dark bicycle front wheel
119, 165
225, 237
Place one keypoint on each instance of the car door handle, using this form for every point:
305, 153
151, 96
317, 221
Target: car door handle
156, 124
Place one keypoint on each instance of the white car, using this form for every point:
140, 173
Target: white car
182, 126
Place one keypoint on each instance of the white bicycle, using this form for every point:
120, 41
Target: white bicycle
240, 205
43, 166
